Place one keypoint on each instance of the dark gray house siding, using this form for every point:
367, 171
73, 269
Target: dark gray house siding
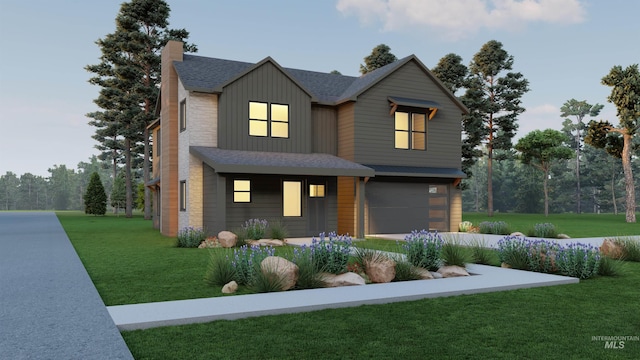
266, 203
374, 135
324, 129
269, 84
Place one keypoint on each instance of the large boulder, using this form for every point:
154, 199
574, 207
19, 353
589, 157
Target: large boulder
346, 279
611, 249
227, 239
230, 288
380, 270
452, 271
284, 269
266, 242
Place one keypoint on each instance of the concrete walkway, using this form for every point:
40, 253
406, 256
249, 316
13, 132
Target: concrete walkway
49, 308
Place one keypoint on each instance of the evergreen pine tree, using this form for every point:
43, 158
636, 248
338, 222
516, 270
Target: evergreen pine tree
119, 192
95, 198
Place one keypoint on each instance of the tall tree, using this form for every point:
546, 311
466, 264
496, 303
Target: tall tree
579, 110
540, 149
129, 74
118, 196
380, 56
62, 181
9, 191
95, 199
493, 98
625, 95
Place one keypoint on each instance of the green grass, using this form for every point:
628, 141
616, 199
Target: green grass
574, 225
130, 262
542, 323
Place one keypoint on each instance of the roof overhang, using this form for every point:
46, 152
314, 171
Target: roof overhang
432, 106
414, 171
255, 162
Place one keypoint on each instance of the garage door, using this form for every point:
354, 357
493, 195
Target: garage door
399, 207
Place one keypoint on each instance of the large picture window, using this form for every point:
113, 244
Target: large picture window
292, 198
410, 130
241, 191
268, 120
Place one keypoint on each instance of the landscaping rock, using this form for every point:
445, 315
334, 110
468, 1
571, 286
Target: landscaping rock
283, 268
346, 279
230, 288
435, 274
452, 271
227, 239
381, 271
517, 233
266, 242
210, 242
505, 265
564, 236
611, 249
424, 274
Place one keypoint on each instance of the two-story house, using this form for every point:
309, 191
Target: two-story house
321, 152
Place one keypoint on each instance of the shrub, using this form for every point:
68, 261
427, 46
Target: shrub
609, 266
630, 247
242, 236
331, 253
255, 228
95, 198
542, 255
190, 237
424, 249
544, 230
494, 227
277, 230
578, 260
246, 262
220, 270
514, 251
465, 226
309, 275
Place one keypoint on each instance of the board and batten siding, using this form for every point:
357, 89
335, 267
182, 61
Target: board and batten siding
374, 125
269, 84
324, 130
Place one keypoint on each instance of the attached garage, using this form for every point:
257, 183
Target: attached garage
400, 206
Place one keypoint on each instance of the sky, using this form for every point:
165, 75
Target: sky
563, 47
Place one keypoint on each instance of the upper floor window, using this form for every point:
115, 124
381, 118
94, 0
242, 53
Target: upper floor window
268, 120
410, 130
182, 114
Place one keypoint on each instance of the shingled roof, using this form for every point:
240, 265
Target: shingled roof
205, 74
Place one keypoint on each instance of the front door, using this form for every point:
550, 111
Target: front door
317, 212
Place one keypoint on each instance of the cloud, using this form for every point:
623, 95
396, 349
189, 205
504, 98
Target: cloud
457, 19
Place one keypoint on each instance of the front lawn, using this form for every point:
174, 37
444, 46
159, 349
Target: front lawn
129, 262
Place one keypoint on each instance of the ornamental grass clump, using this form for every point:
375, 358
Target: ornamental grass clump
220, 270
465, 226
544, 230
514, 251
309, 275
424, 249
578, 260
630, 247
331, 253
494, 227
246, 262
277, 230
190, 237
255, 229
481, 253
